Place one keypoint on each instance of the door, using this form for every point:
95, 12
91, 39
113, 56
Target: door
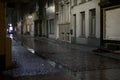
36, 28
64, 32
40, 28
74, 25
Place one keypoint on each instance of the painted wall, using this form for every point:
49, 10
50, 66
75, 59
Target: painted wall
85, 7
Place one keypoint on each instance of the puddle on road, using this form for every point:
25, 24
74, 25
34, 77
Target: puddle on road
31, 50
52, 63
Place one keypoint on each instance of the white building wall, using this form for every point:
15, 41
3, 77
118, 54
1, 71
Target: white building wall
85, 7
63, 23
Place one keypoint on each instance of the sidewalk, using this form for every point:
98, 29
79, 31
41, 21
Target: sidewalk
71, 56
109, 55
85, 48
80, 47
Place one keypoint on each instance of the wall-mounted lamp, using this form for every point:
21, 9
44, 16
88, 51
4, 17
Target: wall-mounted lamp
57, 13
30, 16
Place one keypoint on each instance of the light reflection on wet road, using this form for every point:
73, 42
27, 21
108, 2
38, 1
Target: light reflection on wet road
30, 65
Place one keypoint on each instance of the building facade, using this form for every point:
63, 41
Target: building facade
73, 21
31, 18
85, 19
63, 21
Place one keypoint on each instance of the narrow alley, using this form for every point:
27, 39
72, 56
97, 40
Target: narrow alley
59, 39
54, 60
77, 59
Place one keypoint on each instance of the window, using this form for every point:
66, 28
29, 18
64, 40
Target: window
51, 26
92, 22
82, 23
75, 2
62, 13
50, 3
89, 0
67, 12
83, 1
74, 21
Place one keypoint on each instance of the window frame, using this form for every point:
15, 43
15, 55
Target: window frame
82, 23
92, 25
51, 26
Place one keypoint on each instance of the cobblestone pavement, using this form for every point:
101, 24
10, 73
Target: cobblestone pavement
29, 66
80, 62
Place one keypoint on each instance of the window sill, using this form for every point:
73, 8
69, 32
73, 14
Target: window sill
51, 33
82, 36
92, 36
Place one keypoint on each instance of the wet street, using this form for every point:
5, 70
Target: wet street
79, 60
28, 66
44, 59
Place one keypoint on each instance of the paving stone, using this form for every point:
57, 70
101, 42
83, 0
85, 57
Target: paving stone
77, 61
29, 64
